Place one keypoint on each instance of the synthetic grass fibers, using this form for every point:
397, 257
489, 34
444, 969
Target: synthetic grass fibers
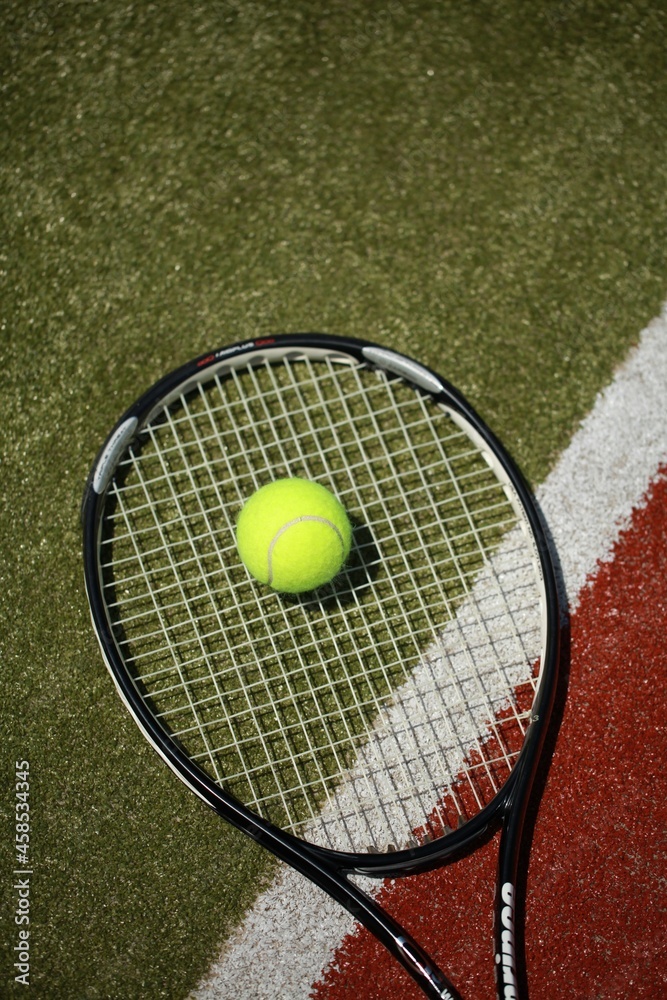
481, 186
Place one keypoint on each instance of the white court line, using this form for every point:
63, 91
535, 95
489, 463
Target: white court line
289, 935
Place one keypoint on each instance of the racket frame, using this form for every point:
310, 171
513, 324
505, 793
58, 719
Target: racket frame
327, 868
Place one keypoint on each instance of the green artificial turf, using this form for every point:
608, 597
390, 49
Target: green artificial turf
480, 185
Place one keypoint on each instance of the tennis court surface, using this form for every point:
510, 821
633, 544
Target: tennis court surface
481, 187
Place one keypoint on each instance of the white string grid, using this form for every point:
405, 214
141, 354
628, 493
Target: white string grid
389, 705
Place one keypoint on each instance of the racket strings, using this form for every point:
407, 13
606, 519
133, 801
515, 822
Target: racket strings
354, 714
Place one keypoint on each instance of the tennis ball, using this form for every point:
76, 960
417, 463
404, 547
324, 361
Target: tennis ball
294, 535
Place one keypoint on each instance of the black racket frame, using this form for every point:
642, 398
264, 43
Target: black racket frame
327, 868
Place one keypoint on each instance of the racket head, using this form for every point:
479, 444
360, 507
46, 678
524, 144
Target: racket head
340, 720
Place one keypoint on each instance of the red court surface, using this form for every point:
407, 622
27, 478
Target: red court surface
596, 881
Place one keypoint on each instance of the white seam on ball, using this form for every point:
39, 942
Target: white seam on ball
290, 524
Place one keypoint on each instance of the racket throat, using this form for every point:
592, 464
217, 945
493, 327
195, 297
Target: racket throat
395, 938
423, 971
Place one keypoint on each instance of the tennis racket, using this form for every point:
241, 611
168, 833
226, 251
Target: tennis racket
381, 724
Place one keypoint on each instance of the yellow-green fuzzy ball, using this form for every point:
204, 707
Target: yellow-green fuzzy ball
294, 535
